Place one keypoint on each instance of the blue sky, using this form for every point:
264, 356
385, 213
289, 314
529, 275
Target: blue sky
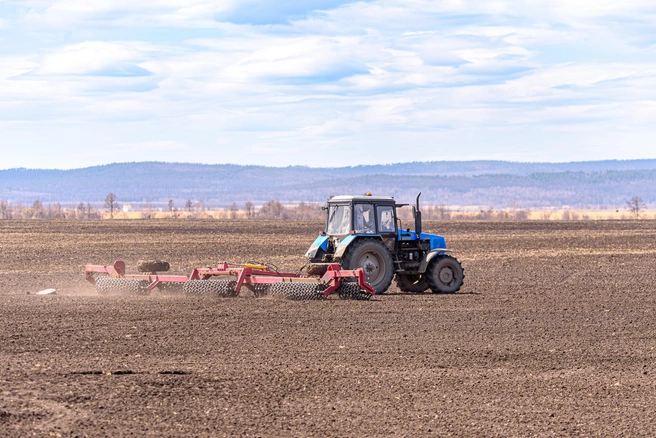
325, 82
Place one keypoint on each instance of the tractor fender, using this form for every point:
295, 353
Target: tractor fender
433, 253
320, 242
341, 248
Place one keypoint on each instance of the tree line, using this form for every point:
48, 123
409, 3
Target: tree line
275, 209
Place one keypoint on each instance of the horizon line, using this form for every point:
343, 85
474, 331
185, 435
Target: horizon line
328, 167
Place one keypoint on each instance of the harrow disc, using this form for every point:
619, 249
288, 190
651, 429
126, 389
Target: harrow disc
352, 291
224, 288
106, 285
297, 291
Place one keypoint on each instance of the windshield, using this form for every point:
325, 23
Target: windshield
339, 219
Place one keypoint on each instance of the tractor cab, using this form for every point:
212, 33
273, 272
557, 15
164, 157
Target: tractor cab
360, 215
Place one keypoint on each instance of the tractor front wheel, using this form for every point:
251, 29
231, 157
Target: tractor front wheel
444, 274
415, 283
374, 259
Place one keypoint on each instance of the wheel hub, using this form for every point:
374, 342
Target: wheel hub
446, 276
370, 266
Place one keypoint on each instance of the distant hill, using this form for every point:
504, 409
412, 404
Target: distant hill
478, 183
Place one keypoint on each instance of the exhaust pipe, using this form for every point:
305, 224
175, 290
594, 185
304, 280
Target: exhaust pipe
417, 215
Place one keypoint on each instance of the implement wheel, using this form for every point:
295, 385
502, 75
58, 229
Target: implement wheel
350, 290
415, 283
374, 258
444, 275
153, 266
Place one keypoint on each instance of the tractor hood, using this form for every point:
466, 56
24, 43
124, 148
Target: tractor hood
436, 242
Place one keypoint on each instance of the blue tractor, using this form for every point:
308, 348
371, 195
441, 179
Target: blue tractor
365, 232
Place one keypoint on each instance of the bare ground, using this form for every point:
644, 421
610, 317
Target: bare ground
553, 334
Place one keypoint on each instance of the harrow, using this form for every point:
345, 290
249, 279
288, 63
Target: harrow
227, 279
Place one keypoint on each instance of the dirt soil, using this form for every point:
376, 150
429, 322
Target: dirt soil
553, 334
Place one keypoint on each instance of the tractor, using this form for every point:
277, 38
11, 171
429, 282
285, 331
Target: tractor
365, 232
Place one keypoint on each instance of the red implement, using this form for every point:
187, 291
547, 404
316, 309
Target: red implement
244, 273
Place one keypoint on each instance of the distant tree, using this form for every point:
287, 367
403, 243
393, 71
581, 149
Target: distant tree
189, 206
18, 210
5, 210
38, 211
443, 212
635, 206
233, 210
250, 209
306, 211
273, 210
80, 210
170, 204
485, 214
56, 211
521, 215
89, 210
110, 204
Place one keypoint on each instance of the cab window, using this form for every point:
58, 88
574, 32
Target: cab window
386, 220
339, 219
364, 219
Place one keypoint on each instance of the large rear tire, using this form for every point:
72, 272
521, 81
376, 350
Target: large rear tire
444, 275
415, 283
374, 258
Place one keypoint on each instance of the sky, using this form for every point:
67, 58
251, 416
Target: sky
325, 82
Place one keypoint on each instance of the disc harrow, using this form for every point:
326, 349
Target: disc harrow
223, 288
352, 291
108, 285
227, 279
297, 291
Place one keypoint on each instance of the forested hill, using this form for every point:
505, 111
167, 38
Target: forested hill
478, 183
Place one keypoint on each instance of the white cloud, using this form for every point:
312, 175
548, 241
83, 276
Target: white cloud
268, 76
177, 13
95, 58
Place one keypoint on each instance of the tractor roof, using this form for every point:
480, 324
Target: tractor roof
350, 198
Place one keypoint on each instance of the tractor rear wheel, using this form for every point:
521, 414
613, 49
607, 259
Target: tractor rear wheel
415, 283
374, 258
444, 274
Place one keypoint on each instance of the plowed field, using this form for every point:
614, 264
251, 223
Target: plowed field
553, 334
